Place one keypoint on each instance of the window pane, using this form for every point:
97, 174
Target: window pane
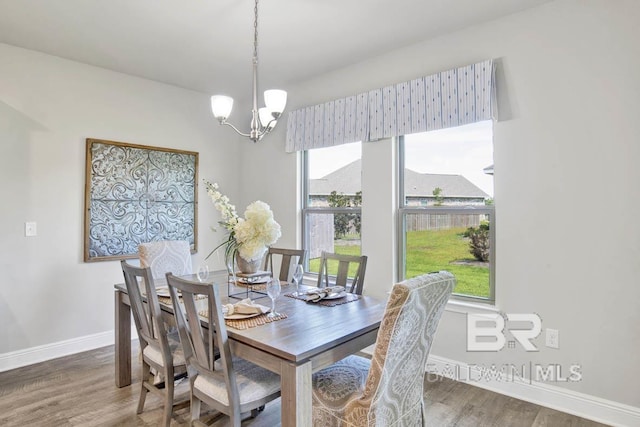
323, 237
444, 171
437, 242
333, 169
333, 182
449, 167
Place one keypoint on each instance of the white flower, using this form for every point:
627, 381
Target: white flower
250, 235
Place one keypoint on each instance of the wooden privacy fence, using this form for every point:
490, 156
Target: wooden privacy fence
420, 222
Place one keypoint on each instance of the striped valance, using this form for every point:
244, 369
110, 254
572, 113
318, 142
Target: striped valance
447, 99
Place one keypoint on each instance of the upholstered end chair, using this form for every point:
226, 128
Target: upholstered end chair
162, 257
388, 389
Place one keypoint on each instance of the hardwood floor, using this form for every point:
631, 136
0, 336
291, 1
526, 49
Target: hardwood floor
79, 390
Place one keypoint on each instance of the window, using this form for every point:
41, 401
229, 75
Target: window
446, 206
331, 202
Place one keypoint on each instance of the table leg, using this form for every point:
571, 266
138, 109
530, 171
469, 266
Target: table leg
295, 383
122, 340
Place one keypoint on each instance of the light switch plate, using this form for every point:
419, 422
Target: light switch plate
552, 338
30, 229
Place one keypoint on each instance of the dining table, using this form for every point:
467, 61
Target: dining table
308, 337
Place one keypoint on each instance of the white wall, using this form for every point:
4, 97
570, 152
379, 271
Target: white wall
566, 151
48, 107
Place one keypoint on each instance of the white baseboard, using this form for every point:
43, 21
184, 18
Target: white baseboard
543, 394
29, 356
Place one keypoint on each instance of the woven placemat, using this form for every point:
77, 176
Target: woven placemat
167, 300
328, 302
251, 286
251, 322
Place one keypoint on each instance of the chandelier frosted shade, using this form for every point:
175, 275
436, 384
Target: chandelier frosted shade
221, 106
266, 118
275, 101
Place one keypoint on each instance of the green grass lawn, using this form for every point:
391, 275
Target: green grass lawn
434, 250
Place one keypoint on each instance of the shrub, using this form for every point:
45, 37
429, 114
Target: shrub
479, 241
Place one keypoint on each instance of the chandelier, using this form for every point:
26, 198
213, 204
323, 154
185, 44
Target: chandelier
263, 120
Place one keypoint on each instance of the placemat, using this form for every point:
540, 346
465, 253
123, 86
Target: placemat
167, 300
328, 302
251, 286
251, 322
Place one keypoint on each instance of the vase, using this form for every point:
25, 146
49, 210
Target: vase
247, 267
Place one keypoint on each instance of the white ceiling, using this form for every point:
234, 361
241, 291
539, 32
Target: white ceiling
206, 45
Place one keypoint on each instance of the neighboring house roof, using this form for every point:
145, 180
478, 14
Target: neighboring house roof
347, 179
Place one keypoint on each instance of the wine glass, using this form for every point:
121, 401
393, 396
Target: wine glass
230, 269
203, 272
273, 290
297, 277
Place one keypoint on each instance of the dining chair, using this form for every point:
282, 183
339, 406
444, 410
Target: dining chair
160, 350
287, 255
353, 285
230, 385
166, 256
387, 390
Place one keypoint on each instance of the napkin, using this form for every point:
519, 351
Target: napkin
317, 294
245, 306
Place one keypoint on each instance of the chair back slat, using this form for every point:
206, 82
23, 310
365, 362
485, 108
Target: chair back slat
288, 255
354, 284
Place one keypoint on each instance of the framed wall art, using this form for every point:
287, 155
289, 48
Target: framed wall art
136, 194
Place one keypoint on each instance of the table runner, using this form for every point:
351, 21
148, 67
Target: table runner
328, 302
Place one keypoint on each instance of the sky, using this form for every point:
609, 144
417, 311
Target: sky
464, 150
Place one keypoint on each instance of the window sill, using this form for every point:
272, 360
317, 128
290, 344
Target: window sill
464, 307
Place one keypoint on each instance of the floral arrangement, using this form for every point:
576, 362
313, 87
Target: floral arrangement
249, 236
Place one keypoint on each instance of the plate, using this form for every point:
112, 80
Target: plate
163, 292
252, 281
241, 316
336, 295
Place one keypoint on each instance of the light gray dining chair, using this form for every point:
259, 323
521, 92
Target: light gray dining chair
353, 284
230, 385
287, 256
166, 256
160, 350
387, 390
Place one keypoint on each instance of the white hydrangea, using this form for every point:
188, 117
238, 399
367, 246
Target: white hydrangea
252, 234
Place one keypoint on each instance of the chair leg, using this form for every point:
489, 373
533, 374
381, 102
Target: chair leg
143, 386
168, 398
195, 408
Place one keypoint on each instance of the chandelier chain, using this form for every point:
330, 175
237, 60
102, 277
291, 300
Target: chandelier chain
255, 33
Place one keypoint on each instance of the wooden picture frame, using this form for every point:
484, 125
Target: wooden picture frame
136, 194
